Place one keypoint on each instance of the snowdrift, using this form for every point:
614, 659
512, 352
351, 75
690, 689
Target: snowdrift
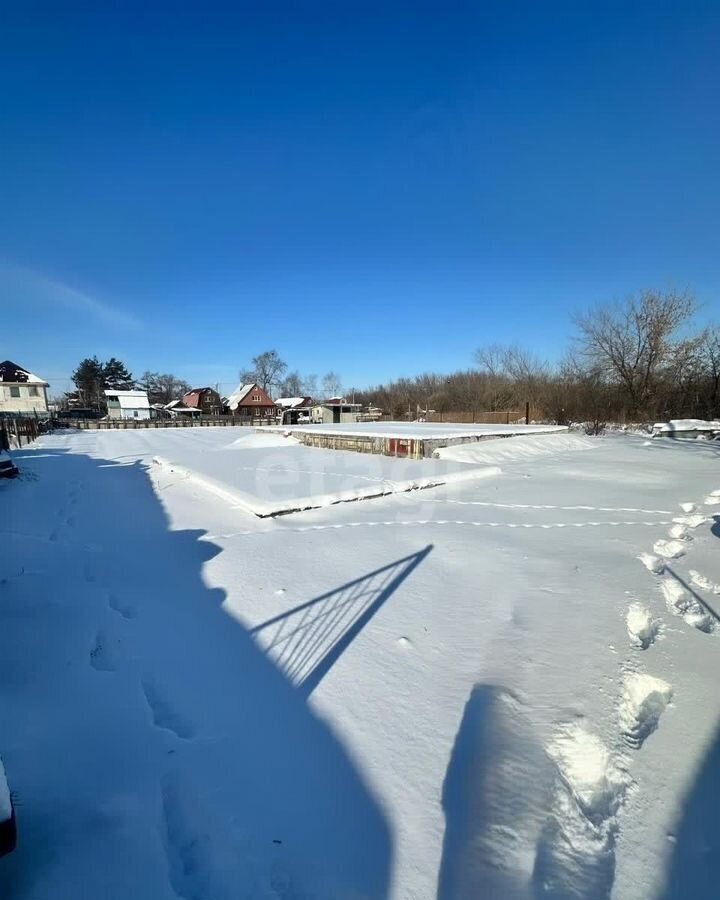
686, 428
526, 447
272, 506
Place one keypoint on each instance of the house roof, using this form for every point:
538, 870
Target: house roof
292, 402
339, 401
130, 399
199, 390
12, 373
239, 394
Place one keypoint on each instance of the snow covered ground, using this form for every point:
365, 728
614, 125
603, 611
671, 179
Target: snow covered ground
266, 473
504, 687
422, 430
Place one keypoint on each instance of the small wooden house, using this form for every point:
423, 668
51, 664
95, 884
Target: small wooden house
252, 403
205, 399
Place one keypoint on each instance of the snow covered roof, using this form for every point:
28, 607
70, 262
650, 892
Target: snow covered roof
685, 425
340, 401
12, 373
292, 402
239, 394
130, 399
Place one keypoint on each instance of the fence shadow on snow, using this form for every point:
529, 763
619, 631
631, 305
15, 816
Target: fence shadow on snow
307, 640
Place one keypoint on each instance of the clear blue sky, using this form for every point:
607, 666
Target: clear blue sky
374, 188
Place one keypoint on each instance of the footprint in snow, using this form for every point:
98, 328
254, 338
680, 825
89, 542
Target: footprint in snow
575, 854
672, 549
680, 603
680, 532
704, 583
163, 713
642, 629
652, 563
644, 700
118, 605
105, 654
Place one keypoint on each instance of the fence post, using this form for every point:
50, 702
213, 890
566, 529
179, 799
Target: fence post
527, 412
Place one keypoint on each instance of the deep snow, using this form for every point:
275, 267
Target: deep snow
421, 430
475, 690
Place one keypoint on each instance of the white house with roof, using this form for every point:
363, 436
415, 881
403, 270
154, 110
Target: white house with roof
293, 410
21, 391
127, 404
335, 411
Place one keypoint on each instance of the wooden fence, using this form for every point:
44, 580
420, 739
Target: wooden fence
179, 422
23, 430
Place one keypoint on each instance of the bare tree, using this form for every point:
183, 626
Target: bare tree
292, 386
710, 351
162, 388
267, 370
632, 341
332, 385
310, 385
491, 359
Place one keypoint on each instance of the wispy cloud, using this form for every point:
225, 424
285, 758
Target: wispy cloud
35, 288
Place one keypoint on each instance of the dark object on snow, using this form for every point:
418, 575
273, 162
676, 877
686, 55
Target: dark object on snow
8, 835
8, 469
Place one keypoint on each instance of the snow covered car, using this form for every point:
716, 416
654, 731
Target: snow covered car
8, 469
8, 834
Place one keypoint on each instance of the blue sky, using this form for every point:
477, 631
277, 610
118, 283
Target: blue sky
372, 188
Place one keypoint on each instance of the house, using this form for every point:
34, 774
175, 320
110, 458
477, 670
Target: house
21, 391
205, 399
177, 409
336, 411
127, 404
292, 410
250, 401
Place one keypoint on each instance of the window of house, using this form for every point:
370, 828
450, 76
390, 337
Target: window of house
34, 392
256, 398
14, 391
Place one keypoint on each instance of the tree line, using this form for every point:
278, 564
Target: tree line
637, 360
93, 377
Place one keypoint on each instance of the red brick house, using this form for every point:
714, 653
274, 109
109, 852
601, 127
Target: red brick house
250, 401
206, 399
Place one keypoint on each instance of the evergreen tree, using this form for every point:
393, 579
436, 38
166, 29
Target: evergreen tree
90, 381
116, 376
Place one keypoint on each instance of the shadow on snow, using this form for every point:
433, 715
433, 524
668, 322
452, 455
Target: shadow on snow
307, 640
137, 718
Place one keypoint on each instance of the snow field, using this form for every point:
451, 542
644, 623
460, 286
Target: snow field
263, 748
